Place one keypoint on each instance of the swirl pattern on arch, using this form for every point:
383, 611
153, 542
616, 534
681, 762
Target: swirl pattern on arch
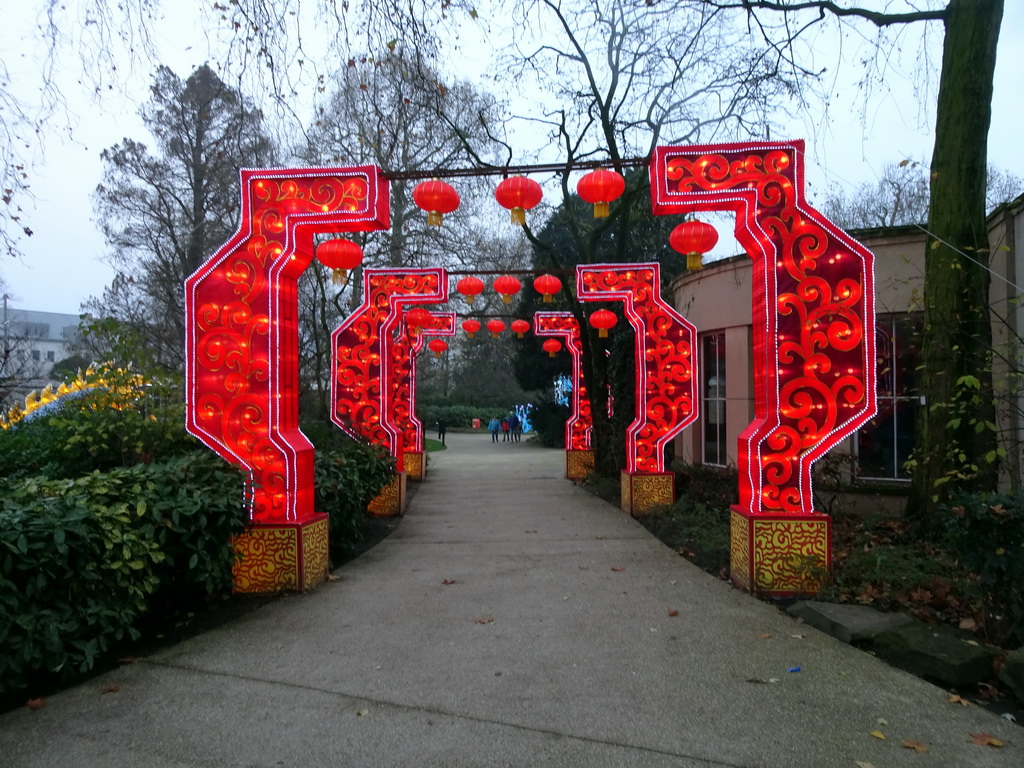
564, 325
241, 327
371, 383
665, 381
813, 310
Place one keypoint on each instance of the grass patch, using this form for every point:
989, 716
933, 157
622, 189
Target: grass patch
433, 445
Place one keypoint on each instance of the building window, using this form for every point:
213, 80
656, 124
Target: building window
885, 442
712, 398
49, 356
35, 355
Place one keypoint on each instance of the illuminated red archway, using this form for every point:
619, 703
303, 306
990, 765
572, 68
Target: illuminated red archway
813, 339
813, 306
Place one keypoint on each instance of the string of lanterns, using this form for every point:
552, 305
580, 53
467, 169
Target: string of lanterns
518, 194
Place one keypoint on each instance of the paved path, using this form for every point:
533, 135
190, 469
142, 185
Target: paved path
553, 645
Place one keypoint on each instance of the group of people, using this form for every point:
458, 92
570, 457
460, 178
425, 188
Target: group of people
510, 427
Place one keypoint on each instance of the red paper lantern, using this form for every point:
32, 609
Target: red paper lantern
436, 198
470, 327
507, 286
519, 194
495, 327
603, 319
520, 327
551, 346
600, 187
437, 346
339, 255
418, 318
694, 238
547, 286
470, 287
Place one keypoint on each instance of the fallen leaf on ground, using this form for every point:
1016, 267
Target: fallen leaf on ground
985, 740
799, 637
756, 680
35, 703
765, 636
529, 531
584, 568
917, 746
617, 569
881, 721
332, 577
129, 659
484, 620
862, 764
110, 689
955, 699
673, 612
447, 582
1008, 716
968, 625
599, 537
878, 735
362, 713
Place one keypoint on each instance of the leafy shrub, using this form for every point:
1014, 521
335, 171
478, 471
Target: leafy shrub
348, 474
548, 419
74, 578
716, 487
82, 560
987, 532
125, 419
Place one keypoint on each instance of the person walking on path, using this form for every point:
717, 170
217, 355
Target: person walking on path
494, 426
504, 430
514, 427
442, 430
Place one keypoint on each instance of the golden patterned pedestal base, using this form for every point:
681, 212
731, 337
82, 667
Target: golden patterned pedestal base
780, 555
642, 493
415, 463
282, 556
578, 464
391, 501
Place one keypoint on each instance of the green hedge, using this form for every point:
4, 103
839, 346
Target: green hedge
82, 560
987, 533
348, 475
456, 416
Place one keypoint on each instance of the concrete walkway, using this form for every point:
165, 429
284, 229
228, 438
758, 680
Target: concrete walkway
511, 620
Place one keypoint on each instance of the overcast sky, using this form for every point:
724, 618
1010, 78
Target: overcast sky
62, 264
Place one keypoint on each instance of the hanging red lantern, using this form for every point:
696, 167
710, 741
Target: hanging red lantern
470, 287
418, 318
339, 255
436, 198
519, 194
470, 326
600, 187
521, 327
495, 327
437, 346
507, 286
603, 319
551, 346
694, 238
547, 286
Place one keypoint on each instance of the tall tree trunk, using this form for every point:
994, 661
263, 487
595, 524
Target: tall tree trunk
953, 444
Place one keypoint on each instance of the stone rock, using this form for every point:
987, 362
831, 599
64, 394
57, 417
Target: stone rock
937, 653
1012, 674
856, 624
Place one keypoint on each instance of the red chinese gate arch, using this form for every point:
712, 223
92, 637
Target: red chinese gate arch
813, 350
814, 345
241, 342
579, 457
